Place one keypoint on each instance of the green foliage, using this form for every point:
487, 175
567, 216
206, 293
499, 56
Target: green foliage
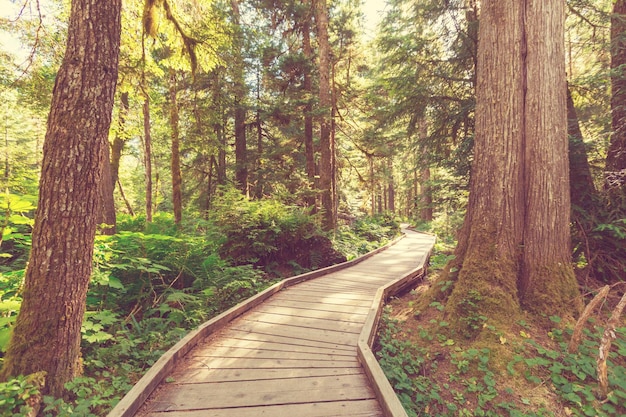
599, 237
17, 394
16, 221
266, 233
366, 234
445, 379
10, 301
573, 375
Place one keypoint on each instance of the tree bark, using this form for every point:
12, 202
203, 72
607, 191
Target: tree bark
107, 202
147, 156
327, 173
391, 188
47, 335
120, 139
177, 180
514, 248
241, 152
309, 148
616, 155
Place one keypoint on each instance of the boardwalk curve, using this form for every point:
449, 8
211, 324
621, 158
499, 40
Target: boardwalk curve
300, 348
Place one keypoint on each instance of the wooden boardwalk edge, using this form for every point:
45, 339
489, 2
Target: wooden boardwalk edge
385, 393
138, 394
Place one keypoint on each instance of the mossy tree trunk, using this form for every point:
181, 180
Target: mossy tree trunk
46, 336
514, 250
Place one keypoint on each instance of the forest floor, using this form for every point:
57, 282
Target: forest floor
524, 371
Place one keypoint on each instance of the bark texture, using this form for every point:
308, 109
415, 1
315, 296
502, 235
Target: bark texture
514, 246
177, 178
241, 151
327, 173
616, 155
47, 334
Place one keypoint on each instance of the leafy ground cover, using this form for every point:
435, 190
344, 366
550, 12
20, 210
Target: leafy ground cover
526, 371
152, 283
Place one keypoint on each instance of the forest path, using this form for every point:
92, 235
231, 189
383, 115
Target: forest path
302, 350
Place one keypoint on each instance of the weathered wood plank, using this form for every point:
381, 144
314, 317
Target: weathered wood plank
304, 322
278, 347
287, 340
247, 353
262, 363
329, 336
316, 306
314, 314
315, 298
358, 408
189, 375
324, 295
210, 396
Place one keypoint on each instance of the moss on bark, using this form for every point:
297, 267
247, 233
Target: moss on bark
554, 292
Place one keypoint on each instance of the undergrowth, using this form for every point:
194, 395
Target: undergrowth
153, 283
438, 375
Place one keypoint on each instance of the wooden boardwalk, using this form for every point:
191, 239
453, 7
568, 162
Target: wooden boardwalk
302, 351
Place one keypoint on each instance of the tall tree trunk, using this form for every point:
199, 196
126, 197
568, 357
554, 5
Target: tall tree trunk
370, 160
616, 155
107, 202
514, 248
426, 193
177, 180
218, 128
582, 188
325, 102
309, 149
147, 156
46, 336
259, 142
391, 188
241, 152
120, 138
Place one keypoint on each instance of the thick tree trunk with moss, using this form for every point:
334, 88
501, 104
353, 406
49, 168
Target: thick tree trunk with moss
47, 335
514, 250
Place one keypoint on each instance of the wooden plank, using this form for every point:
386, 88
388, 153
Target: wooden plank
323, 295
328, 336
278, 347
358, 408
191, 375
288, 340
247, 353
261, 363
212, 396
304, 322
271, 308
322, 300
337, 286
339, 308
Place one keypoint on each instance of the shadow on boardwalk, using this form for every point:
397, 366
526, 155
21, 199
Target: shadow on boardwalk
298, 350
